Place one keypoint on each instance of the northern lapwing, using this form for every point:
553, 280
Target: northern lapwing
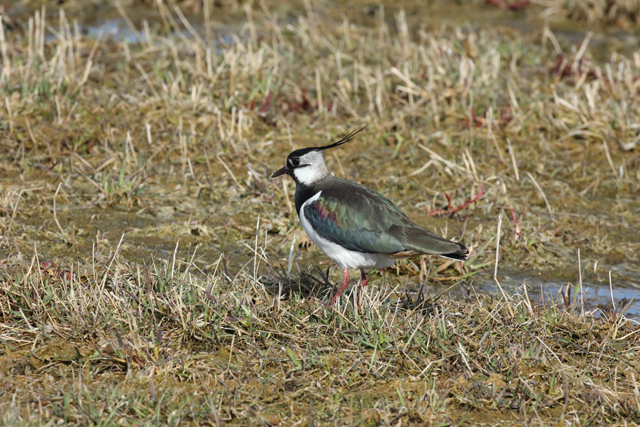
355, 226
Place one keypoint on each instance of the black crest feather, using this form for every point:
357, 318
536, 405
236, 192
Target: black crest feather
343, 140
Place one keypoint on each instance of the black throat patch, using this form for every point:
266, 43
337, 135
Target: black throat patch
303, 193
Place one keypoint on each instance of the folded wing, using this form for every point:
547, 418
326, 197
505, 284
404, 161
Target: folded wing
363, 220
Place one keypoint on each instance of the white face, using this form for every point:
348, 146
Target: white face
311, 168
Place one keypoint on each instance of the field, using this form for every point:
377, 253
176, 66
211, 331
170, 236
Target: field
152, 273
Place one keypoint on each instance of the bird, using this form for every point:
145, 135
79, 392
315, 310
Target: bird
358, 228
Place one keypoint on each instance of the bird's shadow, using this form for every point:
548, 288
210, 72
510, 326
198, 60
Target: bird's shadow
305, 284
315, 284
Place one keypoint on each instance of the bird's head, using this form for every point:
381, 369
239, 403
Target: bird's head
306, 165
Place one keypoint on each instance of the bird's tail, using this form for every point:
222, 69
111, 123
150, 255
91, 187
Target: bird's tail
425, 242
460, 255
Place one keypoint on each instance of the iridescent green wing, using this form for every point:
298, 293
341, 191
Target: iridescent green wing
357, 218
363, 220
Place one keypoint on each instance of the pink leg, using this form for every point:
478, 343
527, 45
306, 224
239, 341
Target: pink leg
345, 282
363, 283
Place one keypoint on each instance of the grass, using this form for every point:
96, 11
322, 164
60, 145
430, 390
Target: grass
612, 12
132, 343
150, 266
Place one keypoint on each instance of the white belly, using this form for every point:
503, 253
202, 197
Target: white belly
345, 258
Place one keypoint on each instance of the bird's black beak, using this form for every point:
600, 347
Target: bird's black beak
279, 172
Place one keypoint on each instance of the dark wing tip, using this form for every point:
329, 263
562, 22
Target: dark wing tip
460, 255
343, 140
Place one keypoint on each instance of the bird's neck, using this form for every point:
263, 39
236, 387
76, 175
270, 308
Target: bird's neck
303, 193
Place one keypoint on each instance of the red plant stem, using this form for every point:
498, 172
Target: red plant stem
450, 212
515, 221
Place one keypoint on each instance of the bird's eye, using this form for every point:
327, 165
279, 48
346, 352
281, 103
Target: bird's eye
294, 162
